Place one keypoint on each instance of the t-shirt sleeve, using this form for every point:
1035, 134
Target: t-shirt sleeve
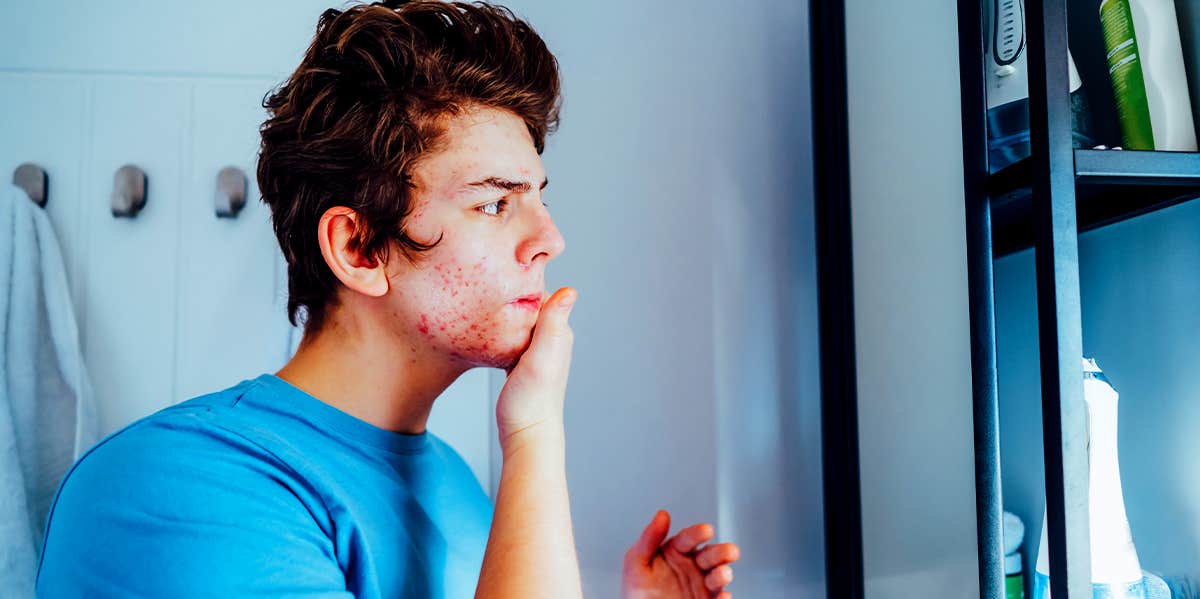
144, 514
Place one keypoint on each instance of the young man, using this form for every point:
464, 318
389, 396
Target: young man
402, 166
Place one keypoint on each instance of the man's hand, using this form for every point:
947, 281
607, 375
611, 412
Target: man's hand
679, 568
533, 393
531, 548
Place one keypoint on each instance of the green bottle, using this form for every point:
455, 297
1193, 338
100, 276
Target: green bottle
1014, 577
1125, 72
1014, 572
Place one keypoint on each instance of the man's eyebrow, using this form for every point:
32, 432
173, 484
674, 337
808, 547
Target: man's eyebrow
505, 184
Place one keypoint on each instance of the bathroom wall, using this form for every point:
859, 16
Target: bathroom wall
1139, 288
681, 182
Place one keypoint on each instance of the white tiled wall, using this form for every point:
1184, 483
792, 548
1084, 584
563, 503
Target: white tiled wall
175, 302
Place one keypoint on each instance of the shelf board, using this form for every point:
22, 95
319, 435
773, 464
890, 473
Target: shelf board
1110, 186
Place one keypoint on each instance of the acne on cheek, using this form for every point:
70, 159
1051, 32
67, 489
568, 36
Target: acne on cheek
457, 322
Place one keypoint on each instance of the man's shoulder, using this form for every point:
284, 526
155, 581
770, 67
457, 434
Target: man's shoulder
173, 447
190, 461
177, 428
184, 491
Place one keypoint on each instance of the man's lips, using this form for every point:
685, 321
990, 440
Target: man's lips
533, 301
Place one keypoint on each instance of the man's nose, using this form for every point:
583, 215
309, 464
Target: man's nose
544, 241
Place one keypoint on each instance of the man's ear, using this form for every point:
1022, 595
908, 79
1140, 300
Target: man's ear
360, 273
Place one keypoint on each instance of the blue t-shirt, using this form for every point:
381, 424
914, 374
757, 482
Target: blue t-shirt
262, 490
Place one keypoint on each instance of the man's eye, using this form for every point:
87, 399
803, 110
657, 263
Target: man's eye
499, 204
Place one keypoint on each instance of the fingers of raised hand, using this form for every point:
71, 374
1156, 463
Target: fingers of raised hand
712, 556
686, 540
690, 575
718, 578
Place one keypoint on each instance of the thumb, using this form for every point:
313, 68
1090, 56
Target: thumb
552, 336
652, 537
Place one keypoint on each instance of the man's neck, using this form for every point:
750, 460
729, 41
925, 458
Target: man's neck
363, 371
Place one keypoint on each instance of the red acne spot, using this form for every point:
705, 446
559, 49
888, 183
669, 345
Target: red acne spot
473, 327
424, 326
442, 328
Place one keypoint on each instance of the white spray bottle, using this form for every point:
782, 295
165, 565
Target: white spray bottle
1116, 572
1007, 78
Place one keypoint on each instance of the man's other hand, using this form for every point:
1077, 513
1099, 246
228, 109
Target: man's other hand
678, 568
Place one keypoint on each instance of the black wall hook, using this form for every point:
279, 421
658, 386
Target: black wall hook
129, 191
32, 178
231, 192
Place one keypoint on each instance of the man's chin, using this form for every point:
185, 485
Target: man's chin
499, 362
509, 365
505, 360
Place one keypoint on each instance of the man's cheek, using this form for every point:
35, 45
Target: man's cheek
468, 327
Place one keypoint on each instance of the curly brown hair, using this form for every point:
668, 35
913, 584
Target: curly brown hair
346, 128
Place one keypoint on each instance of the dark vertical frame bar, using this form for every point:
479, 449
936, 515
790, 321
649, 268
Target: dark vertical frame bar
1060, 333
989, 511
839, 399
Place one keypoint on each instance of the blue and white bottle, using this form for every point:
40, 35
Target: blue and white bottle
1116, 572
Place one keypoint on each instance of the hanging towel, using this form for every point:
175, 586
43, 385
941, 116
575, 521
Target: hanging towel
47, 415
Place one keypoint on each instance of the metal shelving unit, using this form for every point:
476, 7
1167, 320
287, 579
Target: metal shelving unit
1044, 202
835, 288
1111, 186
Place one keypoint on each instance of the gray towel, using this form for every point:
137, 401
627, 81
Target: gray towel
47, 417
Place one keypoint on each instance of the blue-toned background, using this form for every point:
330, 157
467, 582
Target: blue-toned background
681, 181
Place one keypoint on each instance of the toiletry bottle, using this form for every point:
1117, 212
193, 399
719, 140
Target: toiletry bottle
1148, 76
1008, 87
1012, 536
1116, 571
1014, 577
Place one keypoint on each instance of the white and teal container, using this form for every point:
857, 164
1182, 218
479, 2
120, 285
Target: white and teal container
1149, 79
1008, 87
1116, 571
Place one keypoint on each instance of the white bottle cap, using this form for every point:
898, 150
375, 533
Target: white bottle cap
1012, 564
1013, 533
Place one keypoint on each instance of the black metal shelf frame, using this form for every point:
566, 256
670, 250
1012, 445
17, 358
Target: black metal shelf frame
1044, 201
841, 482
835, 289
1111, 186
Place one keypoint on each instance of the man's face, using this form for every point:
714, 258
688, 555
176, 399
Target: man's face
482, 191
